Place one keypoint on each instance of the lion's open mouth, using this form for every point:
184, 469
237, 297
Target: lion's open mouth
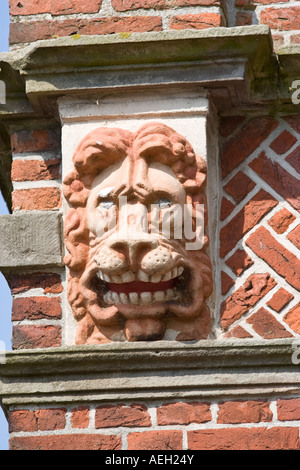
141, 289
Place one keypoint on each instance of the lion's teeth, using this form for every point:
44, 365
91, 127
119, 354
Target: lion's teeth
174, 273
167, 276
170, 294
128, 277
143, 276
180, 270
134, 297
155, 278
106, 278
108, 298
116, 279
146, 298
159, 295
115, 298
124, 298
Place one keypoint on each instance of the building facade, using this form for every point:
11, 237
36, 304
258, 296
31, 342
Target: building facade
126, 338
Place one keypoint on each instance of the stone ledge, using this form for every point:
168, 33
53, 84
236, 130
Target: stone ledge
233, 63
30, 239
139, 371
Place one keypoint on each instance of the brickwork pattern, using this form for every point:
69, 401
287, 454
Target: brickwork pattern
259, 235
244, 424
37, 295
48, 19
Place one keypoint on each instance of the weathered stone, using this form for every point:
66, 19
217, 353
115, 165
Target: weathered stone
30, 239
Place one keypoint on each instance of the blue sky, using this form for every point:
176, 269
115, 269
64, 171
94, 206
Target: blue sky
5, 297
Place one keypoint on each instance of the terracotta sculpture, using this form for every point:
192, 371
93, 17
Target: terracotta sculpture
128, 279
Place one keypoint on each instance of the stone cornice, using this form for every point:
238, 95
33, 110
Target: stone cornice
143, 371
237, 65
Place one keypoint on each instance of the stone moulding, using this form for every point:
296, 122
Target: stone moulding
118, 372
236, 65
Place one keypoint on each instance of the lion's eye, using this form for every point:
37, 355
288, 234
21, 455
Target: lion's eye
106, 205
164, 203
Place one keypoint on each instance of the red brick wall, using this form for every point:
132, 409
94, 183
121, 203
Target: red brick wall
32, 20
259, 236
36, 176
259, 242
250, 424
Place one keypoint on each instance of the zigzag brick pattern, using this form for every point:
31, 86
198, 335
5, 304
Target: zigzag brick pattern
260, 228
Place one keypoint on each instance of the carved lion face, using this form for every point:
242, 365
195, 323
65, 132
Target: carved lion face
131, 275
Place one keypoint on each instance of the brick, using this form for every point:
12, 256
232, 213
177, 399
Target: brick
226, 282
68, 7
80, 417
36, 30
67, 442
266, 325
30, 31
294, 159
289, 409
292, 319
37, 199
36, 308
183, 413
294, 236
295, 39
249, 3
283, 19
285, 263
293, 121
280, 299
111, 416
155, 440
278, 178
235, 412
245, 297
22, 420
35, 170
51, 419
243, 18
273, 438
281, 220
226, 208
49, 282
239, 262
252, 212
130, 24
283, 142
55, 7
28, 337
245, 141
230, 124
199, 21
278, 40
238, 332
29, 7
38, 140
239, 186
127, 5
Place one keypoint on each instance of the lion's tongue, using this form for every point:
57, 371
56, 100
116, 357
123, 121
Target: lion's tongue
139, 286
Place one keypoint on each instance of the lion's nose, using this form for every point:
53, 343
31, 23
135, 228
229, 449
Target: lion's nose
133, 248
